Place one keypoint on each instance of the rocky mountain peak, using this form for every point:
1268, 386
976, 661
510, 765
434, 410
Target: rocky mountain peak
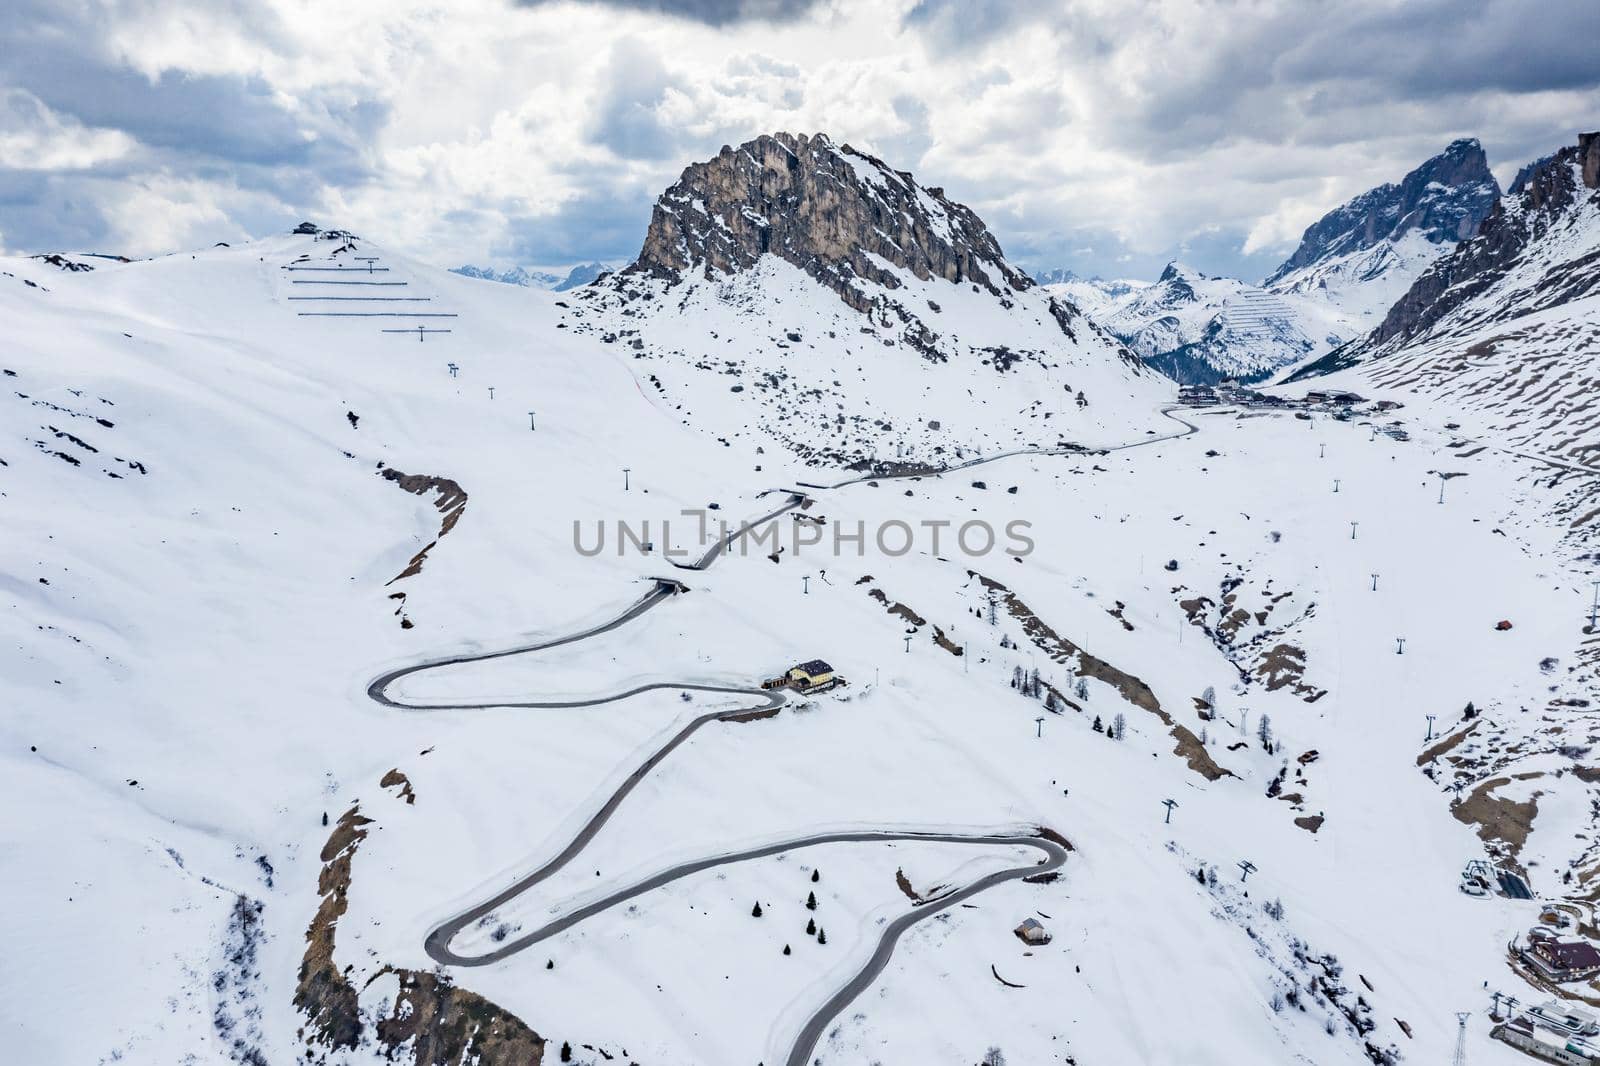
1058, 276
1175, 271
841, 215
1529, 253
1444, 199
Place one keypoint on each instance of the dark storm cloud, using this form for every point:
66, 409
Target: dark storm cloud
710, 12
1107, 139
1440, 47
1288, 72
606, 225
629, 119
956, 24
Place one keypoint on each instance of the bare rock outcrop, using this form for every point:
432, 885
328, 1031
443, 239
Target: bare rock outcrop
838, 214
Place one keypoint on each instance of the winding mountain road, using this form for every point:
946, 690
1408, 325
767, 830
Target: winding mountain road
1050, 845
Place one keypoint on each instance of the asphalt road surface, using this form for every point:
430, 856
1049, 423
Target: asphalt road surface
766, 703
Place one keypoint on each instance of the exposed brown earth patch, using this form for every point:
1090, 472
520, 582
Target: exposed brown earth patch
450, 499
1500, 821
395, 778
1135, 691
432, 1021
1252, 635
911, 618
1446, 745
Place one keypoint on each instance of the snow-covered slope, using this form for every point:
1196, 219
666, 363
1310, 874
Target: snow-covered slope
1537, 252
800, 290
1350, 267
230, 506
1364, 254
1199, 329
1504, 332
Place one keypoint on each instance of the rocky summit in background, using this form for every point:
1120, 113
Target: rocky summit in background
1350, 267
1442, 201
1537, 250
838, 214
1093, 296
1547, 203
1200, 330
798, 289
582, 274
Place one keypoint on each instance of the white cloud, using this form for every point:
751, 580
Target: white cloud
40, 139
1129, 127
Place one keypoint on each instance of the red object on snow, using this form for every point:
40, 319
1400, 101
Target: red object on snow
1503, 626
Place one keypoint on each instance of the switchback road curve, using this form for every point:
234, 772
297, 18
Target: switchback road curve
1052, 848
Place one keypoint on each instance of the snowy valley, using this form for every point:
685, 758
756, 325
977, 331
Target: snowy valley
1352, 265
723, 662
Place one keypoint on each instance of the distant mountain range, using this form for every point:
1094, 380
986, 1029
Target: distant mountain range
1350, 267
582, 274
1091, 295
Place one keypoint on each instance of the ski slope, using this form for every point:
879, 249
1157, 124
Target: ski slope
193, 641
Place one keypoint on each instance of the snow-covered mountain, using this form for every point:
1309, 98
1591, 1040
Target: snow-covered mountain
1508, 325
362, 494
582, 274
796, 287
1361, 256
331, 737
1350, 267
1093, 296
1199, 329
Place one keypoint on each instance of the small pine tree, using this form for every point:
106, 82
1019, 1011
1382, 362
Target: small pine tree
816, 875
1205, 737
811, 901
1017, 678
566, 1051
811, 927
1051, 704
1098, 728
994, 615
1264, 732
822, 936
1082, 691
1209, 698
1034, 684
550, 964
755, 912
786, 950
1119, 726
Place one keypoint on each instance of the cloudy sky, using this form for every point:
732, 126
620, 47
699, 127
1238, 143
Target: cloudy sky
1105, 135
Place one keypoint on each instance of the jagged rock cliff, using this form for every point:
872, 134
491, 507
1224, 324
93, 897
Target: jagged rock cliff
806, 294
1538, 248
840, 215
1545, 195
1443, 200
